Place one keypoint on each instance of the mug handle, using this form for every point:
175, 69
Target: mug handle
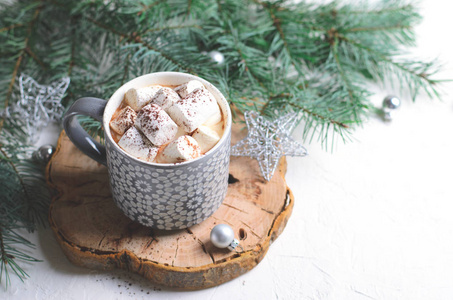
87, 106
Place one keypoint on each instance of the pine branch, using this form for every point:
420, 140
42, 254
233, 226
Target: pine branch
15, 169
247, 67
9, 254
126, 69
19, 60
379, 28
10, 27
276, 22
385, 10
412, 74
285, 96
288, 41
24, 204
138, 39
148, 7
189, 6
176, 27
35, 57
73, 47
30, 180
343, 76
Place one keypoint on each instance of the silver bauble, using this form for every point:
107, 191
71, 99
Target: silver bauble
44, 153
222, 236
217, 57
389, 104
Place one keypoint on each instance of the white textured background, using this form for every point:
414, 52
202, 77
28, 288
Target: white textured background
372, 220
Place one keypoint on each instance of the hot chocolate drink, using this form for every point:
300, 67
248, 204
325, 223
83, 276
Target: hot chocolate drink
168, 124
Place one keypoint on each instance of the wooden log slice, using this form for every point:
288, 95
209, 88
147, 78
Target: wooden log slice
94, 233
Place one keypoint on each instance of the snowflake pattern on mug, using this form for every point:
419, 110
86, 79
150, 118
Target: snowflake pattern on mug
169, 198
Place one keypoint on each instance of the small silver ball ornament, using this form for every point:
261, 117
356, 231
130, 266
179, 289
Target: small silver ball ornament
222, 236
44, 153
217, 57
389, 104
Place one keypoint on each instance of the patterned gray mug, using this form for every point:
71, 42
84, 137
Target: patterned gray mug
162, 196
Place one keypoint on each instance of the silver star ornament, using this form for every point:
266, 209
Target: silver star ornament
267, 141
38, 104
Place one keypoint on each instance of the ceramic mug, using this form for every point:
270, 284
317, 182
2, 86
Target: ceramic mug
157, 195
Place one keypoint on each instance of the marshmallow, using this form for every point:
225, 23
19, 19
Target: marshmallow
206, 138
156, 125
185, 89
124, 120
136, 144
214, 119
165, 97
179, 133
137, 98
182, 149
193, 110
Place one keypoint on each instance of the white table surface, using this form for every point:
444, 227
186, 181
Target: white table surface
371, 220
